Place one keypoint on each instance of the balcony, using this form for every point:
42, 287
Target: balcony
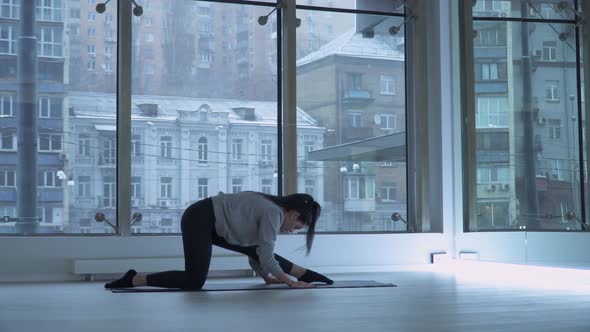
359, 205
355, 97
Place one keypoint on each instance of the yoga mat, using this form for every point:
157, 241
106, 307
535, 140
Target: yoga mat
224, 287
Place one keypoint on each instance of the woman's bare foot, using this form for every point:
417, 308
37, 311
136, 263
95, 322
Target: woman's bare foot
138, 280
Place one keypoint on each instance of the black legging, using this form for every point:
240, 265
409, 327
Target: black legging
198, 237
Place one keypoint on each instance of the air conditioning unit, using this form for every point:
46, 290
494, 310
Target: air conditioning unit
133, 202
541, 121
505, 187
62, 156
154, 223
491, 188
164, 204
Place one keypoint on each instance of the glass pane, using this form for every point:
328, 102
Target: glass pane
543, 9
204, 116
351, 85
76, 158
528, 157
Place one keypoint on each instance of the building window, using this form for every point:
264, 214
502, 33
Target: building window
495, 36
109, 192
388, 121
92, 50
149, 68
552, 91
75, 13
109, 152
310, 187
50, 41
108, 51
108, 18
355, 119
7, 178
236, 148
50, 142
165, 187
136, 187
84, 146
266, 146
202, 150
91, 65
91, 16
206, 57
7, 141
555, 129
359, 187
492, 112
549, 51
387, 84
266, 186
7, 104
557, 170
236, 185
49, 10
166, 146
354, 81
9, 9
149, 21
204, 11
204, 26
7, 211
84, 186
203, 188
388, 192
49, 179
493, 174
108, 68
7, 38
91, 32
149, 37
489, 71
109, 35
309, 145
50, 107
135, 145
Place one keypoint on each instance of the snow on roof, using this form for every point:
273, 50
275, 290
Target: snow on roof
353, 44
104, 105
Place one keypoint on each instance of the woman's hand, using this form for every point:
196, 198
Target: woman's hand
271, 280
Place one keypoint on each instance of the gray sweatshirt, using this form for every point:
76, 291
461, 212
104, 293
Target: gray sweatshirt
249, 219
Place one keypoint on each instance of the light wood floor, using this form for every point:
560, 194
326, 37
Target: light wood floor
424, 301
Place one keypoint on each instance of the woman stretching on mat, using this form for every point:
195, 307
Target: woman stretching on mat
246, 222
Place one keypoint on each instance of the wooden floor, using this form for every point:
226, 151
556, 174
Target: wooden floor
426, 300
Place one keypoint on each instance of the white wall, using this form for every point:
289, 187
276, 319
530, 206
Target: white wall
51, 258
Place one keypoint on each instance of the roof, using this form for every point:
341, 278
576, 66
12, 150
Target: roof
353, 44
390, 147
103, 105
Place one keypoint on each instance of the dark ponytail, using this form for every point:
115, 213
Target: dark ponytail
309, 211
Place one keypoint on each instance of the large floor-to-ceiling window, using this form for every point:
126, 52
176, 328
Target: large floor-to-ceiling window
205, 112
528, 117
524, 124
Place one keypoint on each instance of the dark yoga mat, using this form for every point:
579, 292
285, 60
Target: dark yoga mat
224, 287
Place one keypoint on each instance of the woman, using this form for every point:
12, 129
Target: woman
246, 222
